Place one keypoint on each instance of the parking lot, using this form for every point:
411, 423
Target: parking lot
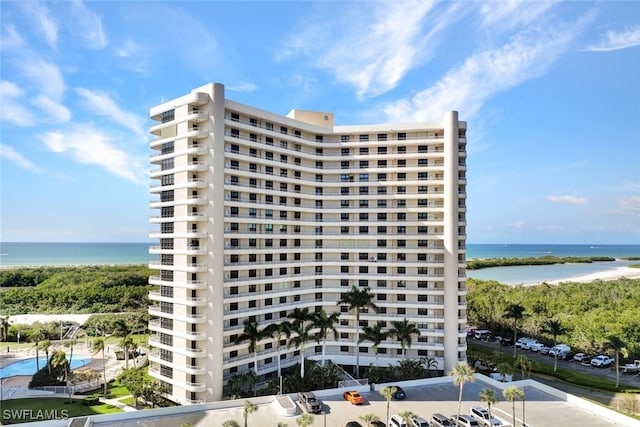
541, 410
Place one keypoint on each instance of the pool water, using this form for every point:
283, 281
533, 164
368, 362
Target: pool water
29, 367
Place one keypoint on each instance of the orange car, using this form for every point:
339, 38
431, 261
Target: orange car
354, 397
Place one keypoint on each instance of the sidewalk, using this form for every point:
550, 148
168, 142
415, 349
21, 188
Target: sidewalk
118, 404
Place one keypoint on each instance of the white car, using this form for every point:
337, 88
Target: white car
537, 346
602, 361
578, 357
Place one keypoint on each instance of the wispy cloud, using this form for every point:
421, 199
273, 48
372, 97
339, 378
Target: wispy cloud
526, 56
88, 145
613, 40
56, 111
573, 200
100, 103
10, 39
88, 25
509, 14
10, 154
11, 110
371, 51
45, 23
45, 76
629, 206
242, 87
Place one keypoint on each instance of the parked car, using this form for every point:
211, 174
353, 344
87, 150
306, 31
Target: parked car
528, 344
506, 341
464, 421
354, 397
602, 361
480, 414
353, 424
544, 350
578, 357
399, 393
586, 361
396, 421
522, 341
481, 334
561, 351
419, 422
439, 420
537, 346
309, 402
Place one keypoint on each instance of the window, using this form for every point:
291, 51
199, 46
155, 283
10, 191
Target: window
402, 136
344, 151
344, 164
402, 163
364, 137
382, 137
166, 164
344, 138
364, 203
364, 150
382, 203
167, 116
364, 164
344, 216
382, 163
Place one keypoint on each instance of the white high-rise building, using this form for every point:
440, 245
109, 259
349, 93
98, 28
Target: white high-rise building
259, 214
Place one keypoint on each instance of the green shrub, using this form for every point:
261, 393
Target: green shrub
91, 400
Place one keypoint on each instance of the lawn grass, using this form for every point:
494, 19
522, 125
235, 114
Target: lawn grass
15, 411
590, 382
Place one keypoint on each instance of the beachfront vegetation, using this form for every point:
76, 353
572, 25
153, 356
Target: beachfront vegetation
92, 289
589, 313
477, 264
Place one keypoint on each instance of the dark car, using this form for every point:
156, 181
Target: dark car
353, 424
506, 341
378, 424
399, 394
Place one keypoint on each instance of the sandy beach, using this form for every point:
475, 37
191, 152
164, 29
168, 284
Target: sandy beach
616, 273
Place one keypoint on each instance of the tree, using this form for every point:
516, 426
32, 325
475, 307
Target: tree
461, 373
387, 393
505, 369
4, 328
45, 345
134, 380
618, 346
301, 326
277, 331
358, 300
489, 396
248, 409
512, 393
325, 323
230, 423
98, 345
370, 418
59, 359
403, 330
407, 416
304, 420
252, 334
127, 344
525, 364
429, 364
555, 328
375, 334
516, 313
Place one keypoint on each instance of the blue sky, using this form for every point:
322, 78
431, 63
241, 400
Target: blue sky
550, 91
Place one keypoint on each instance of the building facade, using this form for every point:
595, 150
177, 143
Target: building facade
257, 214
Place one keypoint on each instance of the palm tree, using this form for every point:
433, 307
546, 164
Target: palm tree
525, 364
387, 393
461, 373
325, 323
516, 313
229, 423
358, 300
512, 393
304, 420
555, 328
429, 363
252, 334
369, 418
402, 330
99, 345
249, 408
277, 331
4, 328
45, 345
301, 326
617, 345
407, 416
375, 334
127, 344
504, 369
489, 396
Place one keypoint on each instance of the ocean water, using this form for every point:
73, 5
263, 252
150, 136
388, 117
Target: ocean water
59, 254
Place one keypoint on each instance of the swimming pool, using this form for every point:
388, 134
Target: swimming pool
28, 366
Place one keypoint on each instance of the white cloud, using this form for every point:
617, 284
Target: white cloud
128, 49
613, 40
573, 200
10, 39
242, 87
88, 25
46, 76
90, 146
9, 153
11, 111
100, 103
57, 112
505, 15
45, 23
629, 206
526, 56
372, 49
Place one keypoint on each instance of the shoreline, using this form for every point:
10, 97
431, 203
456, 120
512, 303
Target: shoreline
611, 274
